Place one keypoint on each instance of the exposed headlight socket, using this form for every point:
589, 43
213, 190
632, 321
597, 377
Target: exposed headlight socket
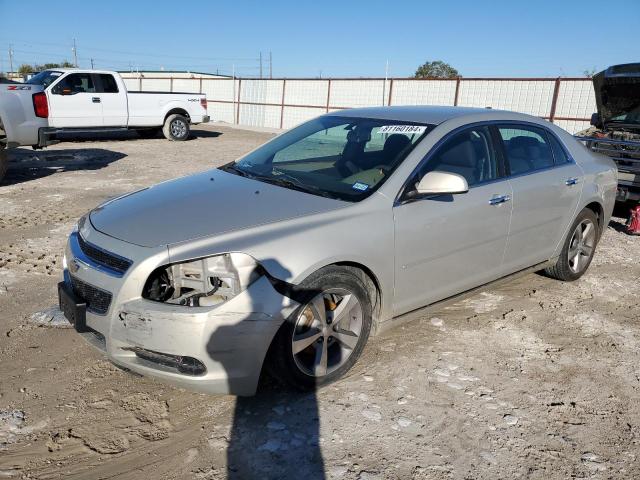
204, 282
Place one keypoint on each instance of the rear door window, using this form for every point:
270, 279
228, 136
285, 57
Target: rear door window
527, 148
559, 153
75, 83
107, 83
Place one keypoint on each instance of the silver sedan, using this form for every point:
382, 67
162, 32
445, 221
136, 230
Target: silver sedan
293, 256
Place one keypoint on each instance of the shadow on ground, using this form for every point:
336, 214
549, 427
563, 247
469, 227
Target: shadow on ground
26, 165
275, 435
127, 135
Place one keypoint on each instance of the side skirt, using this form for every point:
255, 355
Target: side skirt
434, 307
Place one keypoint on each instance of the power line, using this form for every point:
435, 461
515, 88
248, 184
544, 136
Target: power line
138, 54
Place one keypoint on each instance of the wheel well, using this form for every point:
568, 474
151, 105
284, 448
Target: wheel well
372, 283
179, 111
596, 208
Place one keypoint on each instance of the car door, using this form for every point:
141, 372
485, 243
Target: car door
74, 102
446, 244
114, 100
546, 185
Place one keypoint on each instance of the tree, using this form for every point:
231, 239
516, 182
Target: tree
436, 69
590, 72
25, 68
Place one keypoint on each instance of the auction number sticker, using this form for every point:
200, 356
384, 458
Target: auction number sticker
406, 129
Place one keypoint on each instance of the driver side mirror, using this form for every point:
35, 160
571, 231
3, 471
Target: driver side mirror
439, 183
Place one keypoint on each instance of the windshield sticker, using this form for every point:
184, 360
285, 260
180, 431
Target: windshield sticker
55, 74
360, 186
407, 129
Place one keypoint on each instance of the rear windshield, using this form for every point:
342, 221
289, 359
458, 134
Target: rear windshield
44, 78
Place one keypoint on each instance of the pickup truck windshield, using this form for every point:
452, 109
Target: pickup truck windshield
346, 158
44, 78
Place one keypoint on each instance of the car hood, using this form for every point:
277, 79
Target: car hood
202, 205
617, 91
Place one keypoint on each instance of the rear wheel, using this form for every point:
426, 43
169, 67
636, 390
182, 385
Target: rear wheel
325, 336
578, 249
176, 128
4, 160
148, 132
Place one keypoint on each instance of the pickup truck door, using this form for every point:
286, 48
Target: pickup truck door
113, 97
546, 184
447, 244
74, 102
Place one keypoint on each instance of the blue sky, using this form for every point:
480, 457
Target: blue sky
328, 38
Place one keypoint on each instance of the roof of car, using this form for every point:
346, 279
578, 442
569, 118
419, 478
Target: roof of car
433, 115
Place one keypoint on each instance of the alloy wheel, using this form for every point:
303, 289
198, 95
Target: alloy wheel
178, 128
326, 332
582, 245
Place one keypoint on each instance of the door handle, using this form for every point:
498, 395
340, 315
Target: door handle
95, 99
498, 199
570, 181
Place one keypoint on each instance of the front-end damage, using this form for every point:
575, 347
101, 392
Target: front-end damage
204, 324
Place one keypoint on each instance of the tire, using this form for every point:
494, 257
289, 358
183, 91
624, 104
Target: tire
578, 249
304, 369
176, 128
148, 132
4, 161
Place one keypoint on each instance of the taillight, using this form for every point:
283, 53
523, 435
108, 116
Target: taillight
40, 105
203, 102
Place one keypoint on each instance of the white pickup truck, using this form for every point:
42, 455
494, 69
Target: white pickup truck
74, 100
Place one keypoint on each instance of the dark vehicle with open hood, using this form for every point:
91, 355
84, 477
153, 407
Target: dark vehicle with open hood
615, 127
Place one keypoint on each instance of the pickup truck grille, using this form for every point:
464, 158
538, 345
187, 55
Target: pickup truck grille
104, 258
97, 300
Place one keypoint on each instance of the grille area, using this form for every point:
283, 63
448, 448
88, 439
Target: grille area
97, 300
103, 257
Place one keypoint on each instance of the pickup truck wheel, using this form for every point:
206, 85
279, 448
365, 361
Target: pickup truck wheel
578, 249
325, 336
176, 128
148, 132
4, 161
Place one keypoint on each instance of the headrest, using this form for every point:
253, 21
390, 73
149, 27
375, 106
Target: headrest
524, 142
395, 144
462, 154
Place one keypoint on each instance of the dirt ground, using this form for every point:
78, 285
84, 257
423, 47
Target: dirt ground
534, 379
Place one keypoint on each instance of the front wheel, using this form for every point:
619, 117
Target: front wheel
578, 249
4, 161
325, 336
176, 128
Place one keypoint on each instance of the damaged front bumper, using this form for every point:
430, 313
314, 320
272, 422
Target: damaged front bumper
217, 349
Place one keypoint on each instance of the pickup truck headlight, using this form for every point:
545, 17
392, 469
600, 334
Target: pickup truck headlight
204, 282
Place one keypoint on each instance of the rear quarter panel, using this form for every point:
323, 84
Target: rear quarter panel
600, 174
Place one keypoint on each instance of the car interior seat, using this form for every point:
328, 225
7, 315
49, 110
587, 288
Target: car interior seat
461, 158
527, 153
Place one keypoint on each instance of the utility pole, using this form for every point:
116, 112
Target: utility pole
233, 79
92, 64
75, 52
270, 65
384, 86
10, 58
260, 64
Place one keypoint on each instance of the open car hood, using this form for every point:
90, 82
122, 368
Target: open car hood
617, 91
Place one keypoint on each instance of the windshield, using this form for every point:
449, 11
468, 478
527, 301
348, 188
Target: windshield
44, 78
346, 158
